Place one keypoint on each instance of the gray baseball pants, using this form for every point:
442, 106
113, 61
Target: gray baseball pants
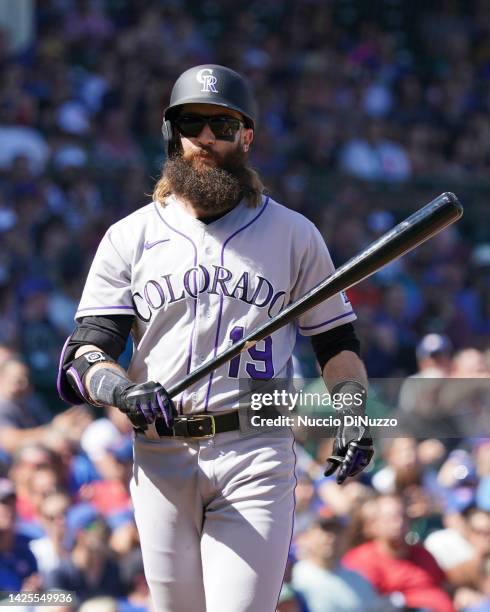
215, 519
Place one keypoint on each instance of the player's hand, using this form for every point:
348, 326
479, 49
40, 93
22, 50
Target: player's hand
352, 451
144, 403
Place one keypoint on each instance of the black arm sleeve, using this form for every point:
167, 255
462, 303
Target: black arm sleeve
330, 343
108, 332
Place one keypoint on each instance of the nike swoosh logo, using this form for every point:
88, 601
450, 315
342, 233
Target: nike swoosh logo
150, 245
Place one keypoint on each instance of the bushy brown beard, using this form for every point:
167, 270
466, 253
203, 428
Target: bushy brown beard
210, 188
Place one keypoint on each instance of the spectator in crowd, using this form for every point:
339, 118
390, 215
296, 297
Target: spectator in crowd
44, 481
137, 597
74, 466
410, 471
376, 156
110, 451
19, 409
22, 418
103, 433
434, 362
318, 577
469, 363
402, 466
109, 492
90, 571
39, 340
290, 599
99, 604
468, 399
26, 461
420, 409
306, 509
433, 356
51, 549
460, 549
480, 600
18, 568
358, 531
341, 501
392, 565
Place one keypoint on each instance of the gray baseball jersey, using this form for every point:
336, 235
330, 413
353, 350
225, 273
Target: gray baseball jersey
195, 288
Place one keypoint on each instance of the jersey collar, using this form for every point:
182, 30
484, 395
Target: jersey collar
236, 216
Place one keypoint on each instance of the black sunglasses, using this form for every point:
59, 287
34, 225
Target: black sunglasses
223, 127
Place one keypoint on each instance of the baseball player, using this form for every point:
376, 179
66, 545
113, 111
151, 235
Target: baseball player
209, 260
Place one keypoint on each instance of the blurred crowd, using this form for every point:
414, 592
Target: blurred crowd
353, 108
411, 533
347, 114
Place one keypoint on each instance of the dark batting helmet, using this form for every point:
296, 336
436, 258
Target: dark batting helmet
209, 84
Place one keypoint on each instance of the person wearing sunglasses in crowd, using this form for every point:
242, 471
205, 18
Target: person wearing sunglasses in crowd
208, 261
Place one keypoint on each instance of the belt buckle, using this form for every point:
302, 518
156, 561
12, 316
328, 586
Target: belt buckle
181, 426
203, 417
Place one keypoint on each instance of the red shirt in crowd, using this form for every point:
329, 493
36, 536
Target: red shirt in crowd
416, 575
108, 496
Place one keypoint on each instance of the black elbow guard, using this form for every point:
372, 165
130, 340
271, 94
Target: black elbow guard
70, 384
109, 333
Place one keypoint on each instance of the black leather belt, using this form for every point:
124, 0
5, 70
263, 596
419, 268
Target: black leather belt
202, 425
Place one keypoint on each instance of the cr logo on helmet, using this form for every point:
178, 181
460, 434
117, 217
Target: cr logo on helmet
208, 81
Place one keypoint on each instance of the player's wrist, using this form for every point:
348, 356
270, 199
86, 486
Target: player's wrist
107, 386
120, 393
78, 371
349, 397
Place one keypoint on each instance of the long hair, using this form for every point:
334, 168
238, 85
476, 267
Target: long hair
252, 187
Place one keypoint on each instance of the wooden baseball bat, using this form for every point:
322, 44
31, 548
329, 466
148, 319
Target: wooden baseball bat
416, 229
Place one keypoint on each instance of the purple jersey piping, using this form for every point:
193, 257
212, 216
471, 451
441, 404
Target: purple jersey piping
60, 372
346, 314
216, 341
189, 358
81, 387
294, 507
104, 308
